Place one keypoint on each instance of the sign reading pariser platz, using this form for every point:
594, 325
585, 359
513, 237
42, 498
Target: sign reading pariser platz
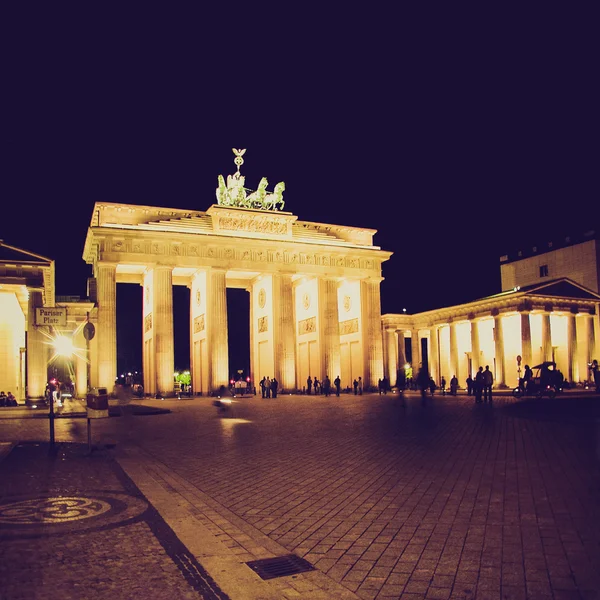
51, 316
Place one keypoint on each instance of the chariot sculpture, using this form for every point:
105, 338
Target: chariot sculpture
234, 193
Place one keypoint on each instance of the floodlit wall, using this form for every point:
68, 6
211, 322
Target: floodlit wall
12, 338
578, 262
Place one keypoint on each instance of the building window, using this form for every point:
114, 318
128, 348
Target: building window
544, 271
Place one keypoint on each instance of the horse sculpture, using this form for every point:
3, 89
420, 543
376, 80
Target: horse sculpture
275, 201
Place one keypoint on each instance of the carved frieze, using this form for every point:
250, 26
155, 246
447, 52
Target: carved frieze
307, 326
263, 324
268, 225
176, 249
349, 326
147, 323
199, 323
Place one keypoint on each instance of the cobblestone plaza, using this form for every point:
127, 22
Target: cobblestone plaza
387, 498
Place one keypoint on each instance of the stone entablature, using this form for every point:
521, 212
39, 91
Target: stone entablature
135, 247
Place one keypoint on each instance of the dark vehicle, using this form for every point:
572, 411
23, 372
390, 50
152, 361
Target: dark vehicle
545, 382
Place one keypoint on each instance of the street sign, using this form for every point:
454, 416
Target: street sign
89, 331
56, 316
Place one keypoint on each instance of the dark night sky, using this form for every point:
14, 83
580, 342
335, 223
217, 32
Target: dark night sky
459, 133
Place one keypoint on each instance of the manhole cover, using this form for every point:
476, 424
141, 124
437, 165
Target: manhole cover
280, 566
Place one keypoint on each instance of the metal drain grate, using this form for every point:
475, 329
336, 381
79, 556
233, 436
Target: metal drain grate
280, 566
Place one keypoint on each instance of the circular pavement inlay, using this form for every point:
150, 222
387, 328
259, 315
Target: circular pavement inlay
27, 516
52, 510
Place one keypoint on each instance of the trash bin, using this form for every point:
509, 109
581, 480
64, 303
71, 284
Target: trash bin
97, 400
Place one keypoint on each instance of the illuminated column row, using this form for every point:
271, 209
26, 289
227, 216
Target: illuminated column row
572, 364
475, 350
526, 338
107, 324
37, 351
371, 313
453, 351
284, 331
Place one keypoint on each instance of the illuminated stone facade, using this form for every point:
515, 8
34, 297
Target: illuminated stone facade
556, 320
314, 292
26, 283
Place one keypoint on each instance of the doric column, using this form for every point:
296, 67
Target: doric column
434, 353
163, 329
401, 353
453, 352
372, 335
475, 348
81, 382
591, 342
329, 327
107, 325
573, 367
499, 350
37, 353
415, 351
217, 323
526, 338
284, 332
391, 352
546, 337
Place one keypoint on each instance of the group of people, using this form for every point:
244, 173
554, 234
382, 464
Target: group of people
481, 385
323, 387
384, 386
269, 387
8, 400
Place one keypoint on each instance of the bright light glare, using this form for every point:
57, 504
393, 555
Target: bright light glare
63, 345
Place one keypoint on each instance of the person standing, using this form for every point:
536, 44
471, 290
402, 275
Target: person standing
454, 385
488, 382
274, 386
267, 387
262, 387
338, 384
326, 385
360, 386
469, 385
308, 385
443, 386
478, 385
596, 374
355, 386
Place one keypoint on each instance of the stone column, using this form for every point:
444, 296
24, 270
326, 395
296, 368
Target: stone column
217, 324
391, 352
329, 328
499, 350
434, 351
81, 380
475, 348
526, 338
107, 324
591, 341
453, 352
573, 366
163, 329
415, 351
37, 351
372, 336
546, 338
284, 332
401, 353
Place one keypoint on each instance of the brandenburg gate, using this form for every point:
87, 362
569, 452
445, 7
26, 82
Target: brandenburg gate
314, 288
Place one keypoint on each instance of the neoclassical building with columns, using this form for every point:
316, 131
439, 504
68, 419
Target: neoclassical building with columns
548, 311
314, 288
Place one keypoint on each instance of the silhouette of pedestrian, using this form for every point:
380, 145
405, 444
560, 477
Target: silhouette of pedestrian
338, 384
